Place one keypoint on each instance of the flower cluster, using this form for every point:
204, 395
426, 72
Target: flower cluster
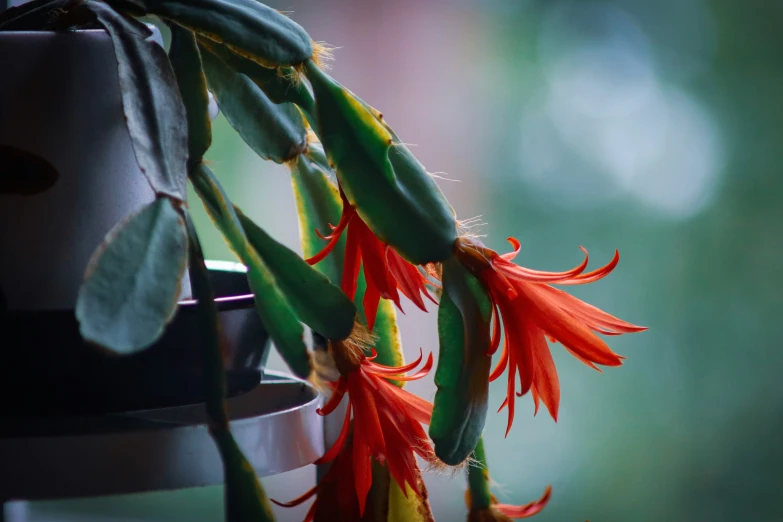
532, 311
385, 271
386, 428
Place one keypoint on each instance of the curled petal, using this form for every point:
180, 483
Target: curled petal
392, 370
298, 500
396, 372
334, 237
596, 274
419, 374
334, 400
517, 246
528, 510
516, 272
529, 311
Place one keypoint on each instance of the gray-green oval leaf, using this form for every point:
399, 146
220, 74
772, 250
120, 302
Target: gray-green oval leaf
150, 100
133, 280
462, 376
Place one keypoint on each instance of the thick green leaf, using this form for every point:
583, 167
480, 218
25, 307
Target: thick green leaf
317, 302
273, 309
317, 156
133, 280
404, 209
274, 132
150, 100
318, 204
279, 86
462, 376
245, 500
186, 62
246, 26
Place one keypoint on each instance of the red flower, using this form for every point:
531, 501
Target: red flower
386, 427
531, 311
502, 512
385, 271
528, 510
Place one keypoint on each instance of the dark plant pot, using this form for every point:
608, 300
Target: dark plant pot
60, 104
51, 370
68, 174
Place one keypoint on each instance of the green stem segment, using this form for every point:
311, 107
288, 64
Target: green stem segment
214, 378
478, 478
245, 500
281, 323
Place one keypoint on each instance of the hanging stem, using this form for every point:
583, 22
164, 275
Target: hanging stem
245, 500
478, 478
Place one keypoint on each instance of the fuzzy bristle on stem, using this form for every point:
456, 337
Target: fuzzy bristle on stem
349, 353
322, 53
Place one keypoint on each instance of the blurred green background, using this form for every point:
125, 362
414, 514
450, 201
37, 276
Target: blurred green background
652, 127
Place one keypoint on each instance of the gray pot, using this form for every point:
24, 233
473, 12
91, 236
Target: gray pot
60, 101
72, 176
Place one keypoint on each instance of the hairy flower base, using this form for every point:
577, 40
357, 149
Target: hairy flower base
531, 311
505, 512
386, 427
385, 271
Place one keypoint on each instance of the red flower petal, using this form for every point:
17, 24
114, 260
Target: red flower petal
528, 510
340, 442
529, 311
351, 264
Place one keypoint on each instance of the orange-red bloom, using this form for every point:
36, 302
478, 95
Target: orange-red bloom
386, 427
385, 271
531, 311
500, 512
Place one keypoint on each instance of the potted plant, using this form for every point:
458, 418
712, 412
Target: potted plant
392, 234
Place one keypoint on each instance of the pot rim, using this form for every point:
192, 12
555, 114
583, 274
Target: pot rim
229, 302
